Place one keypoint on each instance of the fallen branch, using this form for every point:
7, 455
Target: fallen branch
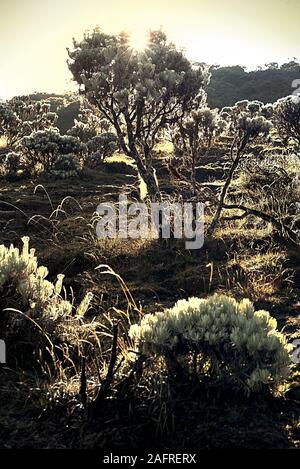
236, 217
281, 227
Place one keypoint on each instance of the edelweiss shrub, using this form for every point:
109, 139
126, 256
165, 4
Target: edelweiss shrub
44, 147
217, 337
100, 147
50, 331
20, 273
12, 165
287, 117
254, 126
66, 166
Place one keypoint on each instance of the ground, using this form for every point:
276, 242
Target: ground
245, 259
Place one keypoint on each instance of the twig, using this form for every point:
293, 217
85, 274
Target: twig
106, 383
82, 391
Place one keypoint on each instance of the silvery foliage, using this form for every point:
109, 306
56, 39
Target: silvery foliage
20, 117
137, 92
45, 147
67, 166
287, 117
231, 340
100, 147
21, 275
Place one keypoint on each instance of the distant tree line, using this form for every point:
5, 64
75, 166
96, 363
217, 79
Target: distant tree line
227, 86
267, 84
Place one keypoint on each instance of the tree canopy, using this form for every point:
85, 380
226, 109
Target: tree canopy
138, 92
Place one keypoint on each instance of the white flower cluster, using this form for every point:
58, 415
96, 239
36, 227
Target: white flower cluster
20, 271
239, 342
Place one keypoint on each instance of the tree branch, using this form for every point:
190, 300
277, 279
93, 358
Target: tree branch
284, 229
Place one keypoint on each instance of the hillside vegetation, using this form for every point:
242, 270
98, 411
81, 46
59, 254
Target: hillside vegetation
231, 84
145, 342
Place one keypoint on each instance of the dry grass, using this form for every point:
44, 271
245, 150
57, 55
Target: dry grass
136, 277
2, 142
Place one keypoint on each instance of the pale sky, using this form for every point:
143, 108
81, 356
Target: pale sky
34, 34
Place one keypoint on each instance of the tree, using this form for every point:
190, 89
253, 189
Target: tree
230, 84
287, 117
138, 92
272, 66
247, 130
193, 137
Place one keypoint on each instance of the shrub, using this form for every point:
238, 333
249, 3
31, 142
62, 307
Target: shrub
217, 337
253, 127
287, 117
88, 123
272, 186
247, 130
44, 147
9, 124
254, 107
20, 275
242, 104
100, 147
12, 165
82, 131
245, 109
267, 111
21, 116
41, 327
192, 139
66, 166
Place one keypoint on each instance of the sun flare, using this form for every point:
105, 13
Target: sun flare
139, 39
213, 32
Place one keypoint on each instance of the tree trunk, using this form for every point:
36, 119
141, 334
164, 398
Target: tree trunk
220, 207
193, 173
147, 173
